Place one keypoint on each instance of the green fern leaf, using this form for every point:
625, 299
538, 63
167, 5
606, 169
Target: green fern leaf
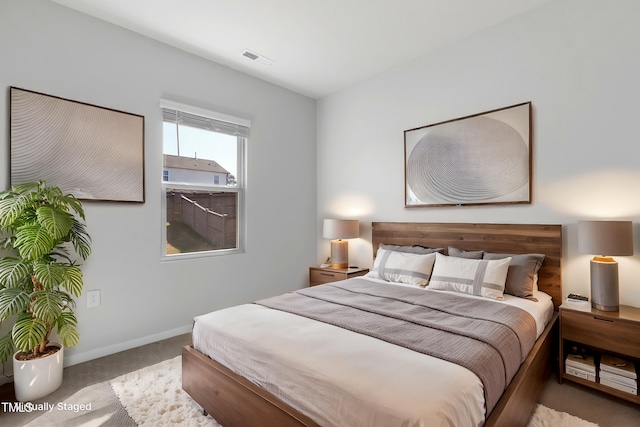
47, 305
13, 272
80, 239
56, 221
33, 242
27, 187
10, 209
6, 347
28, 332
50, 275
72, 280
13, 301
74, 203
68, 329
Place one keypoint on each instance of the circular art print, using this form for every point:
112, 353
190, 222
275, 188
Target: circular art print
476, 160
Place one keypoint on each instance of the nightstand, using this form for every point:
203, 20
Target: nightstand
616, 333
318, 275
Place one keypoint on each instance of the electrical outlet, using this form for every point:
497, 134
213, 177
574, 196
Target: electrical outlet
93, 298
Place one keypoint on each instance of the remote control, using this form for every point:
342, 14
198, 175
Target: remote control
577, 297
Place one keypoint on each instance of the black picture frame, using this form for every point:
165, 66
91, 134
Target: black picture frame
92, 152
479, 159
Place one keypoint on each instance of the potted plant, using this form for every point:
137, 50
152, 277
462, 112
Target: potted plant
44, 232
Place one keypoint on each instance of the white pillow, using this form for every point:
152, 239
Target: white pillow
402, 267
470, 276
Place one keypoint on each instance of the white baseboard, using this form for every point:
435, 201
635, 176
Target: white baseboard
70, 360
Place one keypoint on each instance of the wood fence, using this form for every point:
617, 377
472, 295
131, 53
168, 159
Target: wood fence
212, 215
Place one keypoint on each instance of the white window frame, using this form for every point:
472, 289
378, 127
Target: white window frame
240, 188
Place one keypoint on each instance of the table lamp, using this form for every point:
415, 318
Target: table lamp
605, 239
337, 230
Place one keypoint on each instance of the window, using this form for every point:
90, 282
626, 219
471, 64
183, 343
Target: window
202, 180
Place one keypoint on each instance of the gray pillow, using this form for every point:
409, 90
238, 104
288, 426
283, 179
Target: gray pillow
415, 249
459, 253
521, 275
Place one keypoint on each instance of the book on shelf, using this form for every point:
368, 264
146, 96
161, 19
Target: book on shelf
630, 382
583, 362
618, 386
616, 365
576, 372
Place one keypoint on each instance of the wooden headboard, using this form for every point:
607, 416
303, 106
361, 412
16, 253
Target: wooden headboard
497, 238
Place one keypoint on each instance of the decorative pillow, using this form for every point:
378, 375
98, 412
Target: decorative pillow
415, 249
470, 276
464, 254
403, 267
522, 274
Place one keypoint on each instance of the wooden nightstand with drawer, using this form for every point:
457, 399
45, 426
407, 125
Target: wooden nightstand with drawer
318, 275
615, 333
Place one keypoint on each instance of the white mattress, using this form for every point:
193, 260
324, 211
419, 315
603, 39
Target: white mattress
341, 378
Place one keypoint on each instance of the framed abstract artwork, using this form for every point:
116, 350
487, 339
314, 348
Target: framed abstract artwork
474, 160
92, 152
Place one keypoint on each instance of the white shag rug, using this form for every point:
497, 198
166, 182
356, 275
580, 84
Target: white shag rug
547, 417
153, 397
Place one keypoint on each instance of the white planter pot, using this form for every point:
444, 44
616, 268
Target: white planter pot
33, 379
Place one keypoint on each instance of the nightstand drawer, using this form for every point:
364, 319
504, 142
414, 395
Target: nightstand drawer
320, 276
602, 332
324, 276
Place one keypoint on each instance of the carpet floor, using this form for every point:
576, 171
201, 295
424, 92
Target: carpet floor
93, 382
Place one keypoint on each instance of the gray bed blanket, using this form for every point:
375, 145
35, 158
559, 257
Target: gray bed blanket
488, 338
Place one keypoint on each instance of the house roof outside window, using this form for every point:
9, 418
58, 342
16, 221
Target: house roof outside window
192, 163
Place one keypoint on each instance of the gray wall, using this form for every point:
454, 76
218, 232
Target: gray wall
576, 60
51, 49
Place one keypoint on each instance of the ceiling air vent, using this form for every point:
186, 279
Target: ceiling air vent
250, 55
256, 57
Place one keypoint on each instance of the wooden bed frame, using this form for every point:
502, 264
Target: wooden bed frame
234, 401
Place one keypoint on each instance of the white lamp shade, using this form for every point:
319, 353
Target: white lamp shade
612, 238
340, 228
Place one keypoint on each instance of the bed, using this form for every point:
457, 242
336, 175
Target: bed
272, 397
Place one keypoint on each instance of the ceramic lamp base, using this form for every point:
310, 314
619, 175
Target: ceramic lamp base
604, 285
339, 254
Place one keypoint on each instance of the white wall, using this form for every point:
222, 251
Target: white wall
51, 49
576, 60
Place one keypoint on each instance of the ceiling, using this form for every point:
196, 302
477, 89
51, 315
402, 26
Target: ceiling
317, 47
